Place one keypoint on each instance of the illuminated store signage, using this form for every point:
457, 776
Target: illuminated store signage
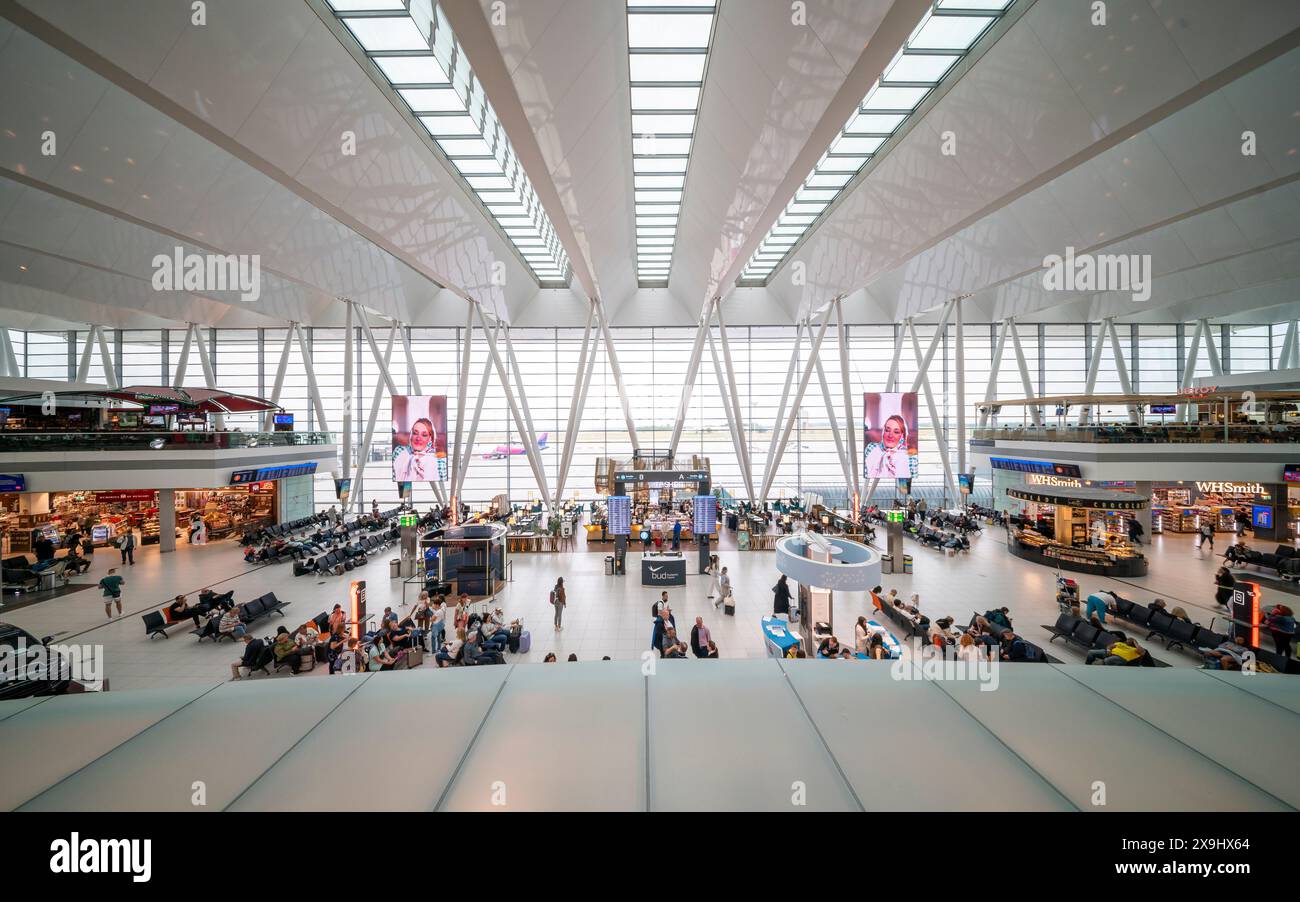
1055, 482
11, 483
240, 477
661, 476
1105, 504
1232, 488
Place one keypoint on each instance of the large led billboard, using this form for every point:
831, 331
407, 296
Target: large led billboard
419, 438
889, 435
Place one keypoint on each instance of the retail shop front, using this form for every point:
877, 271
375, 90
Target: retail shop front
105, 515
1182, 507
1082, 529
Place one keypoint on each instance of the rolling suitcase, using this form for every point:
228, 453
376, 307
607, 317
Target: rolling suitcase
525, 642
513, 643
729, 608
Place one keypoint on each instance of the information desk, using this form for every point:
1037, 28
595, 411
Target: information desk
1114, 561
663, 570
778, 637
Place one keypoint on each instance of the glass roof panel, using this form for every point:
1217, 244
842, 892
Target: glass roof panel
458, 116
666, 66
669, 31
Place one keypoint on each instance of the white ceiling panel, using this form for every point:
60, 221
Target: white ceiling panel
174, 185
222, 71
1119, 70
156, 26
1213, 35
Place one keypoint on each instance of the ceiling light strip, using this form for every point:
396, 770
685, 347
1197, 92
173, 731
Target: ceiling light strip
412, 45
949, 30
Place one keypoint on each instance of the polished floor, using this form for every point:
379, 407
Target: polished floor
606, 615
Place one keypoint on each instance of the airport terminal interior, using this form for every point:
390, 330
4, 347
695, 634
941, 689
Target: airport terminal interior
598, 405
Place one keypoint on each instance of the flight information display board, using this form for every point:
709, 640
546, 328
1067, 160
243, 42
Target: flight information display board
620, 515
266, 474
706, 515
1041, 467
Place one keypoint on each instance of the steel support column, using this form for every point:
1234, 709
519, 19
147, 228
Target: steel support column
741, 431
268, 421
359, 475
794, 409
745, 477
1094, 364
182, 365
459, 484
526, 435
1036, 411
688, 386
617, 372
940, 437
991, 390
575, 407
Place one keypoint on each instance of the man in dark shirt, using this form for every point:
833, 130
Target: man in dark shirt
252, 651
44, 549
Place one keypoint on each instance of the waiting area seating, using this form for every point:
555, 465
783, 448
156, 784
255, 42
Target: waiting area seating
1088, 636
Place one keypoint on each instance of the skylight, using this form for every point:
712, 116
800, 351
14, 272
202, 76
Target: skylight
413, 47
668, 52
949, 30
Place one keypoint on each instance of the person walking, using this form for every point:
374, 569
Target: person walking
1207, 534
781, 598
714, 585
558, 601
1224, 583
724, 590
677, 535
126, 545
112, 584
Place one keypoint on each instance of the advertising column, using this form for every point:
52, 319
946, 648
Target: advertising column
1143, 516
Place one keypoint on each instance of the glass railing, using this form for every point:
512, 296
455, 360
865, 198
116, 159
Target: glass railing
15, 441
1172, 433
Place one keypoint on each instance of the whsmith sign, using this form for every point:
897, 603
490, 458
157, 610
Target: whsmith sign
1232, 488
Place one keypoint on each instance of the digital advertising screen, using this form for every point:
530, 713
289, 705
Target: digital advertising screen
889, 435
965, 483
419, 438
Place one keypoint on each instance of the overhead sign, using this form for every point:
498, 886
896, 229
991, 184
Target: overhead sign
1290, 474
1045, 467
265, 474
116, 496
1106, 504
644, 477
13, 483
1055, 482
1232, 488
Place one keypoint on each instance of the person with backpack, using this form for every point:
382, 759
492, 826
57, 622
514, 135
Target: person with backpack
126, 545
112, 586
558, 601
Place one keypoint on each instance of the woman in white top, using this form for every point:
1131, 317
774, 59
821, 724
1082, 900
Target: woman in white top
861, 636
715, 587
889, 458
724, 590
418, 461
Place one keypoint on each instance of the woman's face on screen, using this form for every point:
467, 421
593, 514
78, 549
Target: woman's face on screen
421, 437
892, 434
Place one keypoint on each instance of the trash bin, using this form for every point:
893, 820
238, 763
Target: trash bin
395, 568
609, 565
886, 563
907, 563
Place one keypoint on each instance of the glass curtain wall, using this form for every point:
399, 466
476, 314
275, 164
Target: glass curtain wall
653, 362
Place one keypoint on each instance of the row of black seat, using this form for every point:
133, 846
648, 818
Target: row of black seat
347, 556
1088, 636
1284, 560
1188, 636
910, 627
1034, 653
252, 611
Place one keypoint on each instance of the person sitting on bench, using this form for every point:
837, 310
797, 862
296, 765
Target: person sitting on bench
1120, 652
75, 565
380, 657
1228, 655
252, 651
1013, 647
231, 624
180, 609
446, 655
286, 650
